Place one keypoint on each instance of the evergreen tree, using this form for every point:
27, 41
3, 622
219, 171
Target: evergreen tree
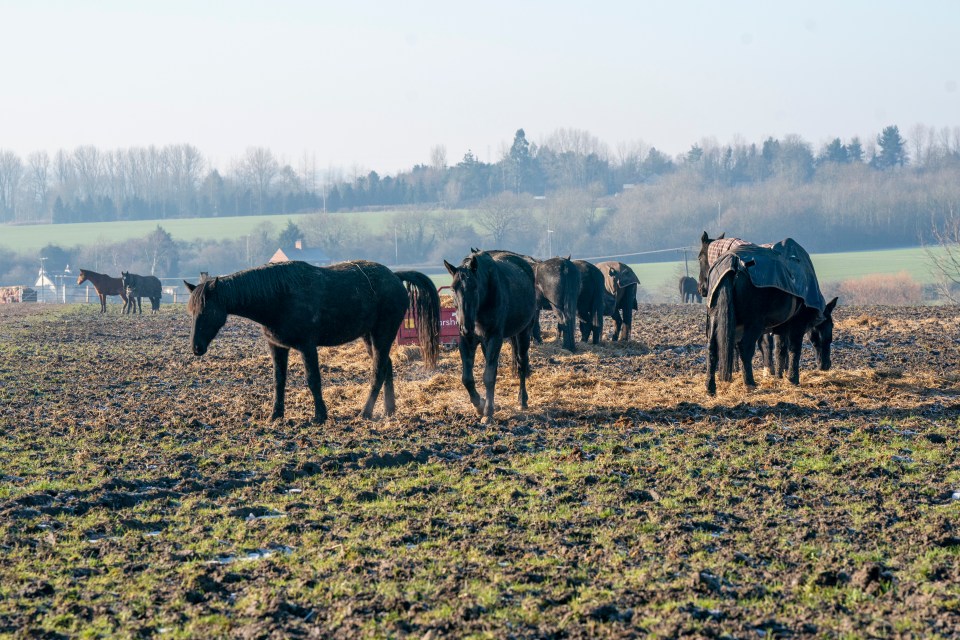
893, 151
854, 150
520, 162
290, 234
834, 152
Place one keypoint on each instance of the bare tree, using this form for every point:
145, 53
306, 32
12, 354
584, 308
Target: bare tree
11, 171
945, 257
438, 157
502, 215
89, 167
258, 168
39, 181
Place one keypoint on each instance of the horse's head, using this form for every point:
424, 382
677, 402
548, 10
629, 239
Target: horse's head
821, 335
703, 282
209, 314
466, 292
125, 279
82, 277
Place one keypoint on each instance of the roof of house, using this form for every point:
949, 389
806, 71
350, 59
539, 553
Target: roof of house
310, 255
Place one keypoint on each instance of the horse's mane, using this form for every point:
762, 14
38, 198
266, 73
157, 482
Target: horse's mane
259, 285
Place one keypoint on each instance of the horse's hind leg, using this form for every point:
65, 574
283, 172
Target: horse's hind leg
627, 320
748, 347
312, 365
281, 356
521, 360
713, 357
382, 374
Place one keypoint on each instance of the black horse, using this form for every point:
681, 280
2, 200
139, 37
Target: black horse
689, 291
740, 313
621, 283
558, 288
137, 287
496, 299
557, 283
590, 305
302, 307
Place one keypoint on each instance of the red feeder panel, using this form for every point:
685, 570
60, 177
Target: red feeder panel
449, 328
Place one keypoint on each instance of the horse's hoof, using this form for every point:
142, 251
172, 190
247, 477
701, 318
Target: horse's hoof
276, 416
487, 420
750, 387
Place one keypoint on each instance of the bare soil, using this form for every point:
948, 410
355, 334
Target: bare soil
144, 491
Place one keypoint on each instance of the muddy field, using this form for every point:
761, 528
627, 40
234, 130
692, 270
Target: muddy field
144, 492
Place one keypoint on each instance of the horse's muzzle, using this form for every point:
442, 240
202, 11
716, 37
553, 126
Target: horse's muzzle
199, 350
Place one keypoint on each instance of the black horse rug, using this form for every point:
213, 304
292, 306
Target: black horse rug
785, 266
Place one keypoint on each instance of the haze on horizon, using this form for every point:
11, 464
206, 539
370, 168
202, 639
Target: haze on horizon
377, 85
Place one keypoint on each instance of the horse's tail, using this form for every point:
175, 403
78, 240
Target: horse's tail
425, 305
725, 327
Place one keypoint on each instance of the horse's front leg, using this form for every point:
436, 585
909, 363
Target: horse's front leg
280, 355
780, 355
794, 346
468, 353
312, 365
492, 354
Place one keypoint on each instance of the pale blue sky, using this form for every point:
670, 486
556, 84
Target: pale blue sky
378, 84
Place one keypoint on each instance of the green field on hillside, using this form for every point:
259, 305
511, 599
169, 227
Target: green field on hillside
33, 237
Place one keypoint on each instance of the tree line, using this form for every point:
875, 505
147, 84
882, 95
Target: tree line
88, 184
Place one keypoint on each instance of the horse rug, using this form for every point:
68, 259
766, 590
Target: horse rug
785, 266
624, 278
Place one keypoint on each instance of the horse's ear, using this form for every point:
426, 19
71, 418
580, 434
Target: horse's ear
190, 287
452, 270
568, 255
704, 239
721, 236
612, 272
830, 306
216, 280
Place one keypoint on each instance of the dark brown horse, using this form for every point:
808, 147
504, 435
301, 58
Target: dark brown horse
496, 300
620, 282
740, 313
138, 287
302, 307
105, 286
689, 291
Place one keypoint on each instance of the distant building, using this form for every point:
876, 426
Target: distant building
316, 257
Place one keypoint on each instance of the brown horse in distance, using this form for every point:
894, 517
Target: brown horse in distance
105, 286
